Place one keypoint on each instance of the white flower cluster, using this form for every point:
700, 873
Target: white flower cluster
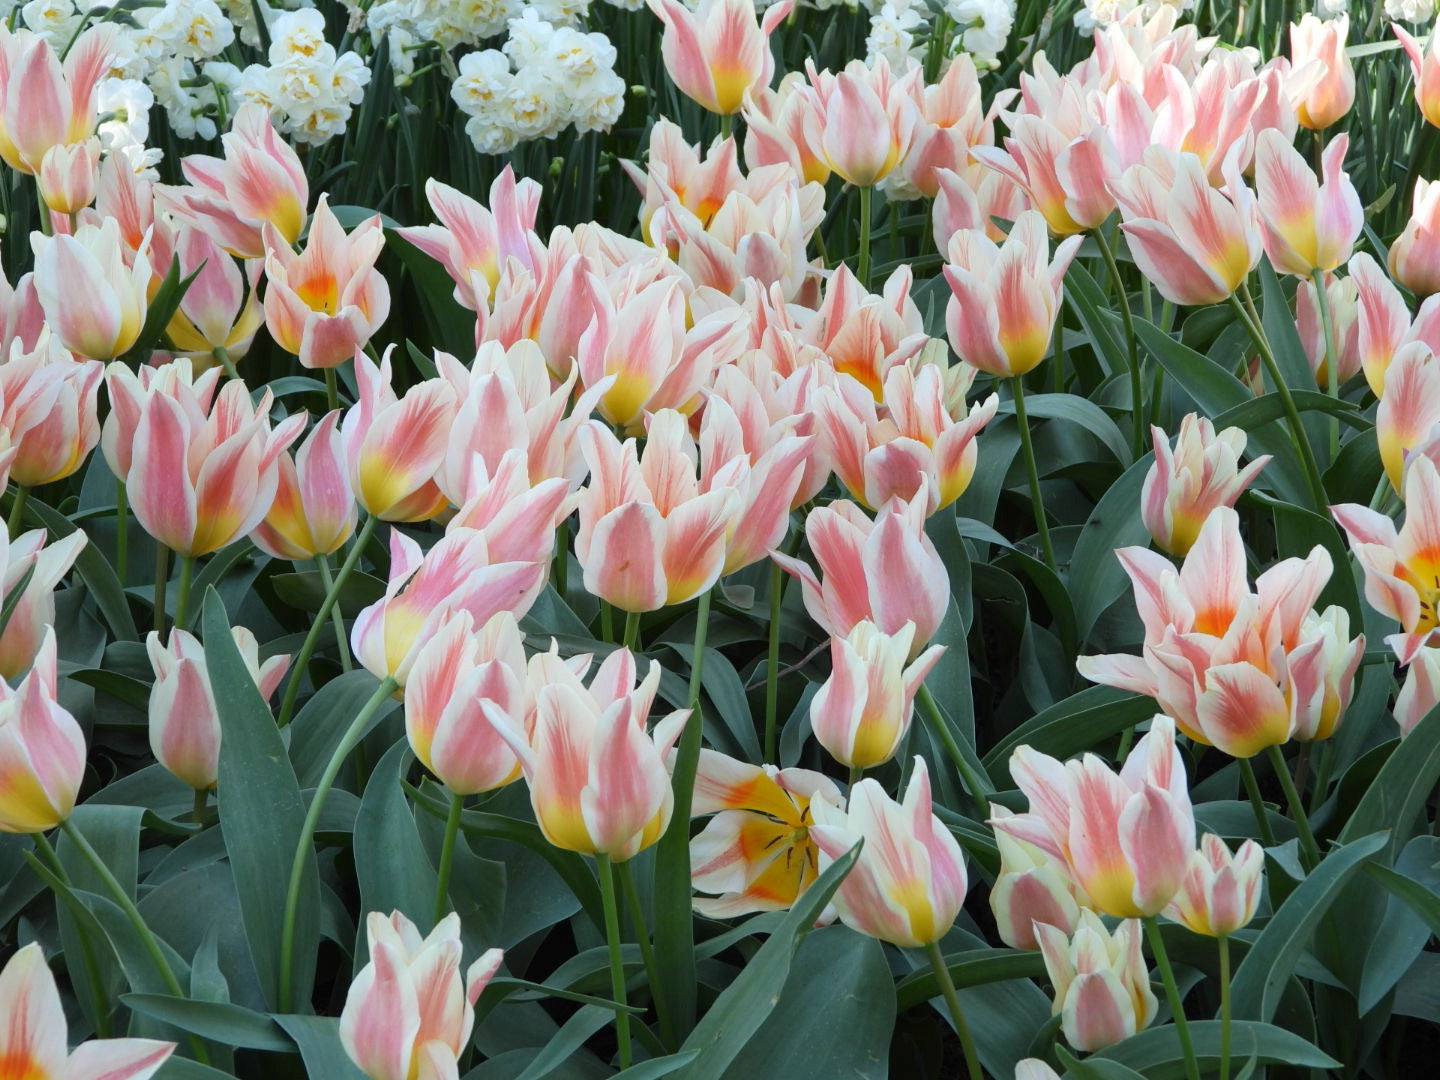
900, 30
1410, 11
893, 32
170, 50
544, 79
1101, 13
987, 26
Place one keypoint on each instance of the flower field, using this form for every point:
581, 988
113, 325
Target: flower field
573, 539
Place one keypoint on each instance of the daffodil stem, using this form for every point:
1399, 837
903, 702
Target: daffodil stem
17, 510
222, 357
957, 1015
632, 631
1137, 392
973, 783
162, 579
182, 592
122, 537
447, 857
332, 390
617, 966
772, 662
307, 833
1257, 804
1027, 450
1224, 945
1172, 995
1309, 850
1332, 363
137, 922
332, 594
863, 264
87, 947
337, 617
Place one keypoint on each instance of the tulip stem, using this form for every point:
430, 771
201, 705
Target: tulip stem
1332, 363
1224, 944
863, 264
1137, 392
637, 920
197, 811
607, 623
772, 661
332, 594
562, 557
332, 391
1309, 850
222, 357
307, 832
447, 857
973, 783
697, 663
182, 594
87, 947
1292, 414
1252, 789
1027, 449
17, 510
1172, 994
137, 921
957, 1015
162, 579
337, 617
122, 537
632, 631
617, 966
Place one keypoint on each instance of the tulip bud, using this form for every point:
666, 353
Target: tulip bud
1221, 890
28, 560
1425, 64
1032, 887
68, 176
1415, 254
1322, 673
313, 512
42, 750
1322, 42
1308, 225
909, 882
1034, 1069
1342, 296
1184, 485
1102, 990
93, 301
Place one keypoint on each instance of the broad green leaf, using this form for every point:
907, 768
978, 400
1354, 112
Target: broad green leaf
1080, 411
318, 1038
1114, 523
976, 967
390, 862
1156, 1055
658, 1067
573, 1034
221, 1022
1092, 305
178, 1068
1411, 916
1297, 531
1397, 795
1072, 725
318, 728
97, 574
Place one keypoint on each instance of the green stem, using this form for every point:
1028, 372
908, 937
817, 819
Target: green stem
1292, 414
1309, 850
137, 922
562, 557
162, 579
977, 787
607, 623
1322, 775
1172, 994
182, 594
1332, 363
1257, 804
863, 265
222, 357
1137, 393
17, 510
632, 631
87, 947
332, 390
957, 1015
617, 966
197, 812
856, 772
302, 659
1224, 943
337, 617
702, 626
637, 920
47, 227
122, 537
772, 662
307, 833
447, 857
1027, 449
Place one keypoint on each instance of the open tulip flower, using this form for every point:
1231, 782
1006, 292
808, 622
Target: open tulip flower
1321, 42
48, 410
1421, 690
1033, 887
1309, 225
863, 334
1186, 483
313, 512
716, 54
94, 299
1102, 990
221, 309
1425, 65
862, 119
1415, 255
34, 568
1343, 299
1409, 409
1383, 324
47, 99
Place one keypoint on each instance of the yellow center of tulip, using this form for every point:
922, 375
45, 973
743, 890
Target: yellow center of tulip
19, 1065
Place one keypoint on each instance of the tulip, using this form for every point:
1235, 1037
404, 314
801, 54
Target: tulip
1066, 176
1322, 42
1195, 243
1102, 990
93, 301
184, 719
1033, 887
313, 512
909, 882
1034, 1068
598, 781
42, 750
45, 101
325, 303
951, 122
1409, 409
1342, 297
1005, 297
129, 390
1421, 690
1184, 485
33, 1043
455, 575
395, 446
886, 570
864, 334
68, 175
1415, 254
221, 310
1221, 890
408, 1014
27, 560
756, 851
1308, 226
1383, 322
1323, 673
862, 120
862, 712
761, 412
260, 181
775, 122
676, 171
47, 407
716, 54
517, 520
1425, 64
197, 483
21, 316
649, 535
974, 198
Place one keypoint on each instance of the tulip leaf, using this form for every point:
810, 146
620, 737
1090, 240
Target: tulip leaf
318, 1038
390, 862
318, 727
1080, 411
974, 967
98, 575
1113, 523
1411, 916
1156, 1054
261, 812
1262, 975
658, 1067
1397, 795
1072, 725
218, 1021
178, 1068
746, 1003
1297, 531
163, 306
13, 597
1092, 306
1269, 408
1094, 1068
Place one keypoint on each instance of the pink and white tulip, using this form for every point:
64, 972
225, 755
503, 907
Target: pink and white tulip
1032, 887
1321, 42
221, 309
717, 53
94, 302
313, 512
1102, 989
34, 610
1309, 225
1221, 889
1185, 484
48, 410
1425, 64
1415, 254
46, 101
861, 120
1421, 690
42, 750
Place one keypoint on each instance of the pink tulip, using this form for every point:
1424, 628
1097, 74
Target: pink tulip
909, 882
395, 446
1409, 408
1421, 690
1308, 226
21, 316
184, 720
474, 242
1125, 839
94, 302
885, 570
973, 198
1383, 322
455, 575
862, 120
408, 1014
45, 101
1323, 673
1342, 297
197, 483
34, 610
775, 123
864, 334
221, 309
67, 175
1066, 175
716, 54
1415, 254
952, 120
598, 780
1033, 887
1184, 485
1425, 64
649, 535
42, 749
313, 512
517, 520
760, 412
553, 305
325, 303
756, 851
1195, 243
260, 181
1221, 890
677, 171
33, 1043
1322, 42
1005, 297
1102, 990
129, 390
48, 409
